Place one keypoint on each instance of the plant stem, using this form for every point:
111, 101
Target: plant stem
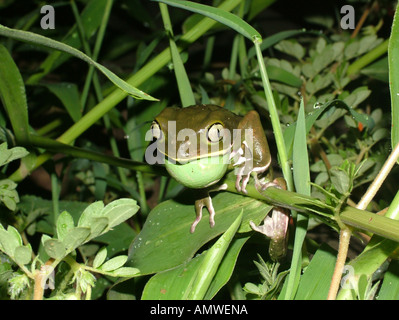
344, 240
282, 152
38, 288
379, 179
368, 58
55, 195
345, 233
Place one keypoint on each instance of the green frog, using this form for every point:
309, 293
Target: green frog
201, 143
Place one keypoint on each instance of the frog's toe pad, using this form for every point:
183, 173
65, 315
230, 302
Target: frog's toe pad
199, 204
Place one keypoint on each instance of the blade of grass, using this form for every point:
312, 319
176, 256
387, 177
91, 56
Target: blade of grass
212, 259
47, 42
12, 94
68, 94
282, 151
227, 18
302, 185
316, 279
183, 83
393, 53
97, 47
390, 286
91, 20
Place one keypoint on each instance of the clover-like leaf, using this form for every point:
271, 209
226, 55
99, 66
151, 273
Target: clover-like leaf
100, 257
340, 180
119, 211
97, 227
125, 272
23, 254
8, 243
64, 224
75, 237
54, 248
93, 210
114, 263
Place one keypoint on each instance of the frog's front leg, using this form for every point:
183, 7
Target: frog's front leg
206, 201
251, 152
245, 165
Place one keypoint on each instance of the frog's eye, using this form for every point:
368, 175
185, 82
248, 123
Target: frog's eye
156, 130
215, 132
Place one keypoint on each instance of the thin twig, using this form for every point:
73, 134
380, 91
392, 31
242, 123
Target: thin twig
345, 233
344, 240
376, 184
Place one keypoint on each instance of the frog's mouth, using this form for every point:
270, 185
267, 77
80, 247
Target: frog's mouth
186, 153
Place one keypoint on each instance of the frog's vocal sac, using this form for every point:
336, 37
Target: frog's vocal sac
200, 143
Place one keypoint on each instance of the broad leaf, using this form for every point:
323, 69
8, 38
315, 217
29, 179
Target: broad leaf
165, 240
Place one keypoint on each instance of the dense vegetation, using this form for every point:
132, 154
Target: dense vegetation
83, 216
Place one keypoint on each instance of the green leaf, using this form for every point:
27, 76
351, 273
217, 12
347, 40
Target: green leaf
283, 76
8, 194
75, 237
37, 39
213, 257
8, 155
64, 224
55, 248
13, 233
120, 210
114, 263
12, 94
226, 267
175, 284
340, 180
172, 284
315, 282
227, 18
165, 240
8, 243
98, 226
393, 53
126, 272
390, 285
100, 257
68, 94
183, 83
91, 18
291, 47
378, 70
92, 211
302, 184
23, 255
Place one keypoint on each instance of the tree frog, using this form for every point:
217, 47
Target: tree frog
202, 142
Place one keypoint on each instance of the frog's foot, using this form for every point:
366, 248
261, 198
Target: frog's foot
199, 204
242, 181
279, 183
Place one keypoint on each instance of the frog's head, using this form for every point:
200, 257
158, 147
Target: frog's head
191, 133
196, 141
